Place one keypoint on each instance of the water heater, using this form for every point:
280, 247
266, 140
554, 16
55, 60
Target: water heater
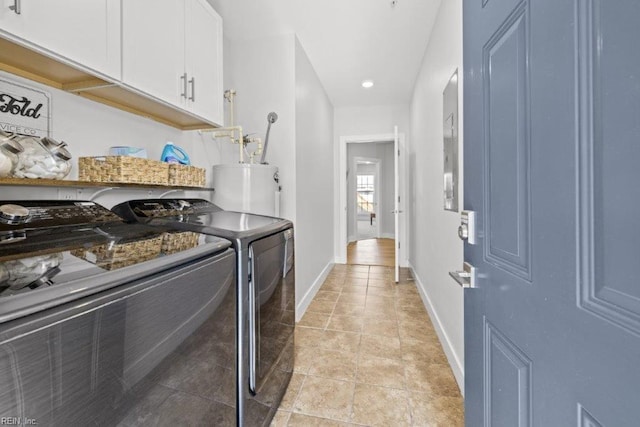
251, 188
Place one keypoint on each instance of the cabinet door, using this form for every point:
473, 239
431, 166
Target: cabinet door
203, 48
86, 32
153, 48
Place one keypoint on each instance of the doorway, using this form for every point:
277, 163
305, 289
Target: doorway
366, 198
381, 248
370, 189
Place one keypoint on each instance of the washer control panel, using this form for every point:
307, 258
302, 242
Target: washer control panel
154, 208
40, 214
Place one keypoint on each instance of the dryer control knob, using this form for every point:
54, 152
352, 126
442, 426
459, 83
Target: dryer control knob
13, 213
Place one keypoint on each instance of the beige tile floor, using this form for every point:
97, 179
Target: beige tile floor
367, 354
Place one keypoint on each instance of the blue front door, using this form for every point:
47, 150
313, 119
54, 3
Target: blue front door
552, 168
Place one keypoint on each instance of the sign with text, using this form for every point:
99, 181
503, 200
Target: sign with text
24, 110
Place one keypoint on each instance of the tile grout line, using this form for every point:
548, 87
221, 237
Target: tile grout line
404, 365
295, 400
355, 379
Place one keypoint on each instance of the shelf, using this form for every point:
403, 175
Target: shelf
86, 184
25, 62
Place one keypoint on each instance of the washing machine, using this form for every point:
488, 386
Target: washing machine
108, 323
265, 292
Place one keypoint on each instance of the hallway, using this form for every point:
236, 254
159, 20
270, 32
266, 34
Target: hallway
367, 354
379, 252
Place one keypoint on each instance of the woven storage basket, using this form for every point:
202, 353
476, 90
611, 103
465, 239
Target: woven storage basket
177, 242
188, 176
121, 255
123, 169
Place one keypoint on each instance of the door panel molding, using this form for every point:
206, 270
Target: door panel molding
585, 419
517, 391
596, 283
507, 195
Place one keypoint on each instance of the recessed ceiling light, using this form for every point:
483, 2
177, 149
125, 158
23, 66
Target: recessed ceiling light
367, 84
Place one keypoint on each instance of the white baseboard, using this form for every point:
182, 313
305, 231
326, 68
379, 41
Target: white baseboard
308, 297
452, 357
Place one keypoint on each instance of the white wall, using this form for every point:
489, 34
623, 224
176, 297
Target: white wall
274, 74
383, 152
262, 71
435, 247
375, 119
314, 176
371, 120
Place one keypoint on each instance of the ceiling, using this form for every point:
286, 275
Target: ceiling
347, 41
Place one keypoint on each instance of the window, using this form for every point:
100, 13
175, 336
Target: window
364, 192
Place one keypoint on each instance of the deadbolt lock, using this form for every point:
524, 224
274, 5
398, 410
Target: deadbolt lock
463, 231
467, 228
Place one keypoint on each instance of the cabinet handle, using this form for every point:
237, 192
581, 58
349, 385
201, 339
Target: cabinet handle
16, 6
192, 82
183, 78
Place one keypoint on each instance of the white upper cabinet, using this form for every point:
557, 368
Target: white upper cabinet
172, 50
153, 47
203, 60
84, 32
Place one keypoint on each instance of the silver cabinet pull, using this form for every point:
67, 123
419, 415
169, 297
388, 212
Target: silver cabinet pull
192, 82
183, 78
465, 278
16, 6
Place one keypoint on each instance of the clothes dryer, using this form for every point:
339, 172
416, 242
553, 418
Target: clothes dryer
265, 292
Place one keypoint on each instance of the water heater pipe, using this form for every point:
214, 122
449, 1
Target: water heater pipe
233, 132
230, 95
